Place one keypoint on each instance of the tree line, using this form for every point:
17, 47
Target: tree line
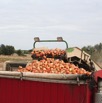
9, 50
95, 51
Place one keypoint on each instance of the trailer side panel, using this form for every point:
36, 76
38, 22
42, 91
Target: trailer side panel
17, 91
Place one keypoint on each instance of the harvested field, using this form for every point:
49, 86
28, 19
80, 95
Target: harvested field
13, 58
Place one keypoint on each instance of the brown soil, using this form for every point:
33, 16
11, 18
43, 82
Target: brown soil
13, 58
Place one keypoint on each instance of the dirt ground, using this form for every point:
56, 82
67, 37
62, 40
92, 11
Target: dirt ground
13, 58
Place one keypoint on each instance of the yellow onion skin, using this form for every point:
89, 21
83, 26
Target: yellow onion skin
49, 65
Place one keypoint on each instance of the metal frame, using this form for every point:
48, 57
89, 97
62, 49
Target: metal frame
61, 40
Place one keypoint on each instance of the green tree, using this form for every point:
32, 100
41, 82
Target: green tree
19, 52
6, 50
10, 50
94, 51
3, 49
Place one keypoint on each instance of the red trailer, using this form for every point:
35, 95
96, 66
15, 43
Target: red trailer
18, 87
25, 87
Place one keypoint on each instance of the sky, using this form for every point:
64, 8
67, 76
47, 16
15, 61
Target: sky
79, 22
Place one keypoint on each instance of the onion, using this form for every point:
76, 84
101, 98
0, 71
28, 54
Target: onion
49, 65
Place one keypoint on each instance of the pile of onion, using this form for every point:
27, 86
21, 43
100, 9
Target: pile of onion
50, 65
48, 52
